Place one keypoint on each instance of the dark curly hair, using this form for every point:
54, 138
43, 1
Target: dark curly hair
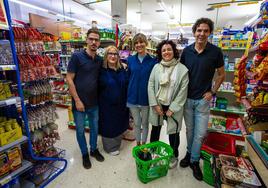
161, 44
200, 21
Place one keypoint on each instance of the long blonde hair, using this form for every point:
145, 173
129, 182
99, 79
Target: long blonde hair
105, 58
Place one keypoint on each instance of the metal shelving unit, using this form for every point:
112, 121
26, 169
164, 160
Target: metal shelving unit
25, 164
15, 143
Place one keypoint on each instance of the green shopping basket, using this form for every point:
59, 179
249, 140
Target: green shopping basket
158, 166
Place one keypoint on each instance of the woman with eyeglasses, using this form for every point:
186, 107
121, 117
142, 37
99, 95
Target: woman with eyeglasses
167, 91
113, 113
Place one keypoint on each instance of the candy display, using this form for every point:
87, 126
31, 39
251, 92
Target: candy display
234, 176
44, 130
41, 116
5, 53
240, 79
36, 67
38, 92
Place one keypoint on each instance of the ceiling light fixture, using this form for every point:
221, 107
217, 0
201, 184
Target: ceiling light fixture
29, 5
48, 11
163, 6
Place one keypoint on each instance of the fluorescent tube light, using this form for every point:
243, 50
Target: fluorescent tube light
48, 11
163, 6
29, 5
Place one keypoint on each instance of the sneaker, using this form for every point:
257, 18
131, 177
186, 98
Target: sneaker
97, 155
185, 162
86, 161
114, 153
197, 173
173, 162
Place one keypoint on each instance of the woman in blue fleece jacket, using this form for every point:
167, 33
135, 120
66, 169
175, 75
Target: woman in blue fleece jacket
139, 67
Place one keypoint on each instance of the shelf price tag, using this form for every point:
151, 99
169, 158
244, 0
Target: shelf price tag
5, 180
11, 101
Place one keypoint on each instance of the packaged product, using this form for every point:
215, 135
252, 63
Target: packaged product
4, 166
235, 175
218, 123
14, 158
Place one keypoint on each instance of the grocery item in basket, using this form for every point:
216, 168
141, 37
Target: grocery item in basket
227, 160
237, 176
145, 155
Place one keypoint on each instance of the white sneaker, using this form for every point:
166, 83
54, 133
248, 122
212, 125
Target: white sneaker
114, 153
173, 162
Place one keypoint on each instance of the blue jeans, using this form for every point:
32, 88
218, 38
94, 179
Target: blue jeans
79, 119
196, 116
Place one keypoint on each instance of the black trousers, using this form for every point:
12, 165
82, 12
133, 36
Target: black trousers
174, 139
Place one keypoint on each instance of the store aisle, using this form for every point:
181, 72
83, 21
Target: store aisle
116, 171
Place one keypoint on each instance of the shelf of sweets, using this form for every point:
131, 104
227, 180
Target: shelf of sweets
232, 49
12, 144
223, 132
26, 165
233, 110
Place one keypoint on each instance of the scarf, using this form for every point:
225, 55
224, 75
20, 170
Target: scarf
166, 69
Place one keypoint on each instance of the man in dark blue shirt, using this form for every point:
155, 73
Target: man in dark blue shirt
202, 59
82, 78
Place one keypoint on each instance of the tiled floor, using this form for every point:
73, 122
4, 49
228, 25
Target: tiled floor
116, 171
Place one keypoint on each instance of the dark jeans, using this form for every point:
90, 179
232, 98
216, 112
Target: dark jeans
174, 139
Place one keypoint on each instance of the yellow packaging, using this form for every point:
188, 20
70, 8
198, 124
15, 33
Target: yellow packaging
14, 158
10, 136
65, 36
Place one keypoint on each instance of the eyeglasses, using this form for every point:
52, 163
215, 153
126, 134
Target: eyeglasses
93, 39
112, 54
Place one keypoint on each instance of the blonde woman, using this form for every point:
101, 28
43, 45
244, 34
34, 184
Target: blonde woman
114, 115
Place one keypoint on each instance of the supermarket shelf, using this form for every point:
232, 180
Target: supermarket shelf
226, 91
26, 165
63, 72
233, 134
53, 50
17, 142
73, 40
7, 67
62, 105
233, 49
9, 101
65, 55
228, 111
229, 70
60, 92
